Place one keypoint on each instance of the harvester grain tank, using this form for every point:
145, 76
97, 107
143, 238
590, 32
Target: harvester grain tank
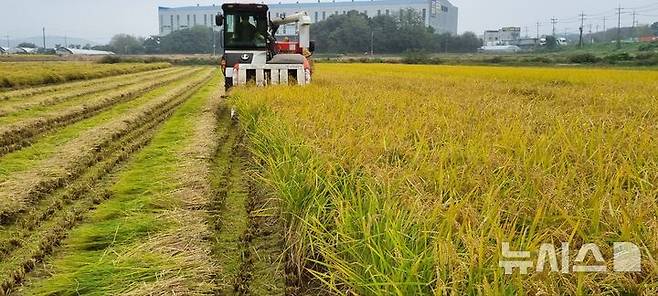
253, 54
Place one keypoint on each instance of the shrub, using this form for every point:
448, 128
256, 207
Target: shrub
540, 60
648, 46
584, 58
110, 59
414, 56
646, 56
495, 60
618, 57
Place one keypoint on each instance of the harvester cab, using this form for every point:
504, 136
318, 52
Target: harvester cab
251, 52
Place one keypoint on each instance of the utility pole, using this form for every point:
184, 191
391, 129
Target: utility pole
582, 23
44, 38
527, 34
619, 27
634, 14
538, 24
372, 43
591, 37
214, 42
554, 22
66, 41
8, 45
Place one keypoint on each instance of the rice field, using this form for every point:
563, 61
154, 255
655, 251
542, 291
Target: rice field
409, 180
374, 180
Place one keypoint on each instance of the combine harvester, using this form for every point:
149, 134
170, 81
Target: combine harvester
252, 53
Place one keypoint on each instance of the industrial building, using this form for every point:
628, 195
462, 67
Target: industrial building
438, 14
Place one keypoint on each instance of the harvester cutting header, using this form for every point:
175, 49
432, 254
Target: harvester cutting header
252, 52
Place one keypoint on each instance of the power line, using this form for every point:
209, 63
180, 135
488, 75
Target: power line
554, 22
538, 25
582, 23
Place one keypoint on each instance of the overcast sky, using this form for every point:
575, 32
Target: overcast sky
98, 20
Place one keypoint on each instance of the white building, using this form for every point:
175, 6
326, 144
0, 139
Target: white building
23, 50
88, 52
504, 36
4, 50
439, 14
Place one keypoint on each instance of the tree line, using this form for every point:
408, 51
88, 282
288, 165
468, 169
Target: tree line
196, 40
352, 32
356, 32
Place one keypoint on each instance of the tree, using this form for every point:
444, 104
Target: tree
152, 45
102, 47
27, 45
126, 44
353, 32
197, 39
343, 33
654, 28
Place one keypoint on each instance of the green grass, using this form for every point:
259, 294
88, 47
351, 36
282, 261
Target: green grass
106, 255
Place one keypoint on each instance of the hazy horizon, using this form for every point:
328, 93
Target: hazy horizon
99, 20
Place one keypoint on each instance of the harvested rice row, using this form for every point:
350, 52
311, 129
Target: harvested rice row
40, 217
148, 237
33, 91
18, 135
22, 189
64, 209
68, 206
42, 211
25, 74
12, 105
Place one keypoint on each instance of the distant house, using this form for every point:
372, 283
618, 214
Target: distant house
648, 38
503, 36
500, 49
528, 43
88, 52
4, 50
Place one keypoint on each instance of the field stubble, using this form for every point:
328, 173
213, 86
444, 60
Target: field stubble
52, 193
19, 129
